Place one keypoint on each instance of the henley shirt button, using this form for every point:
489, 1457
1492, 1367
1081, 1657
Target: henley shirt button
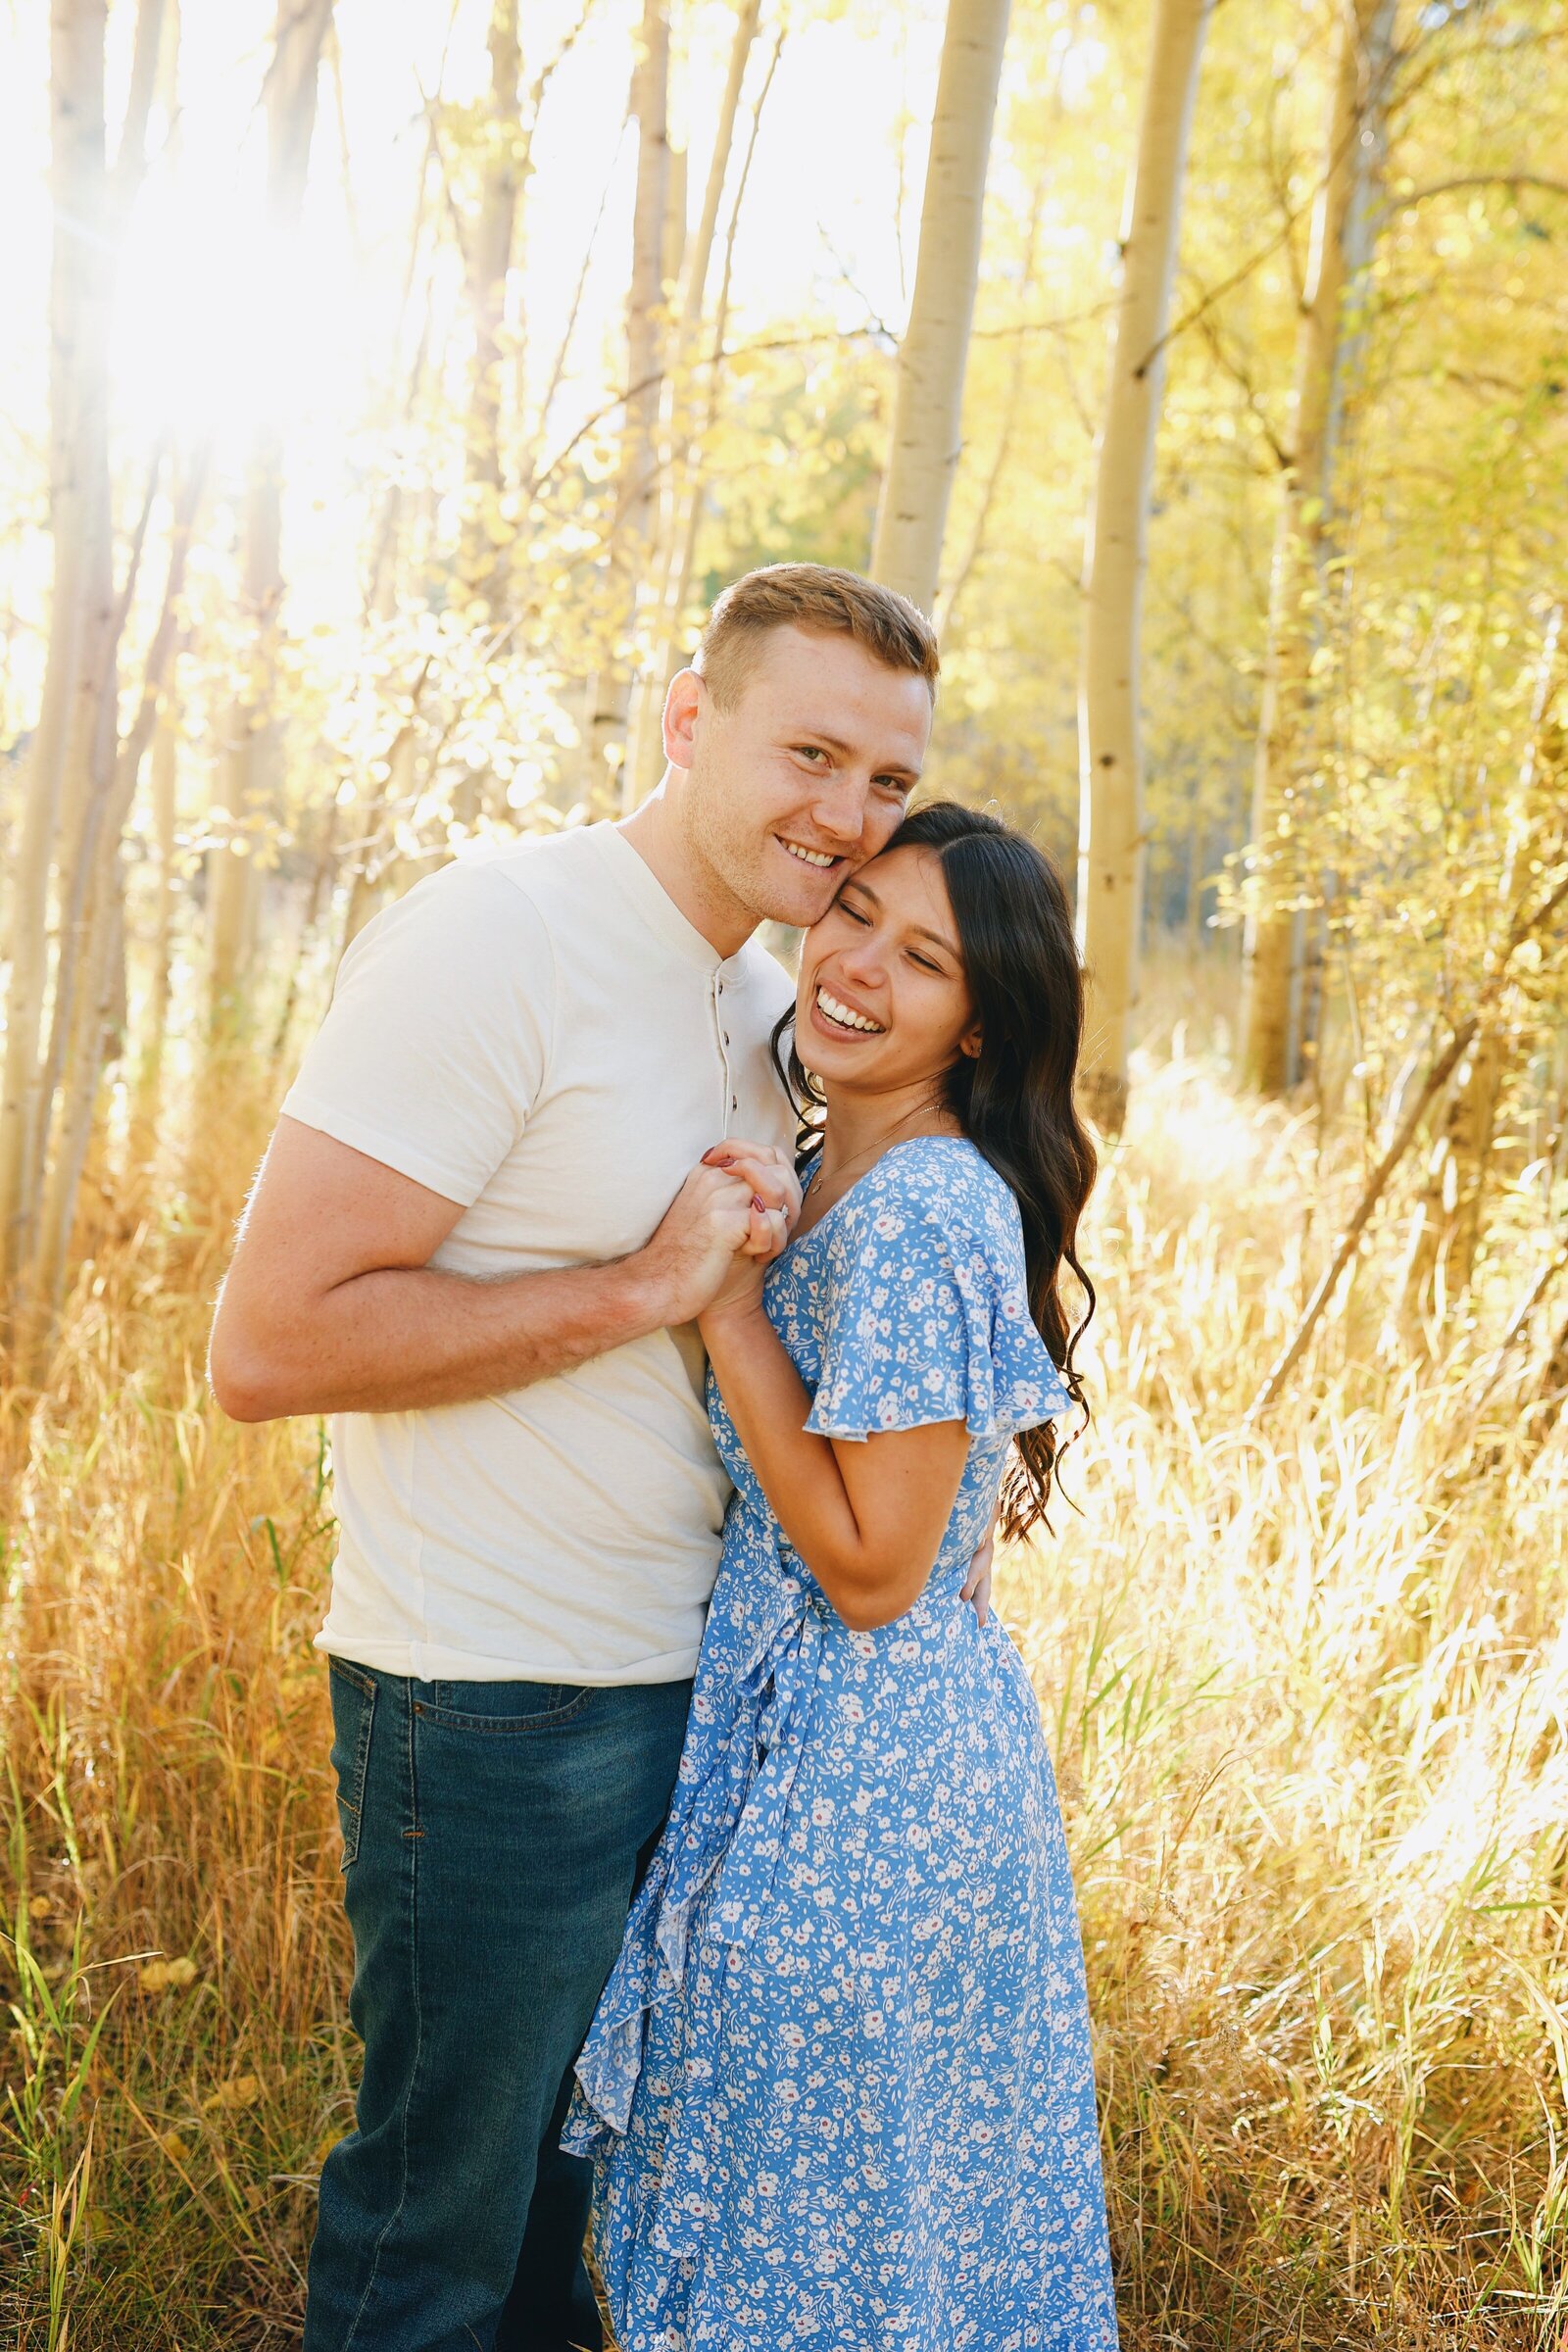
734, 1103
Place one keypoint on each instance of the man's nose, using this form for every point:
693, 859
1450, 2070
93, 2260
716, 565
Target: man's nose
840, 813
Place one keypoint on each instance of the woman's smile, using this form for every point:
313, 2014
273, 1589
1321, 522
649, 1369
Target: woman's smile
838, 1015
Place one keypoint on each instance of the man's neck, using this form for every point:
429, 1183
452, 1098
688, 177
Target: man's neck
656, 833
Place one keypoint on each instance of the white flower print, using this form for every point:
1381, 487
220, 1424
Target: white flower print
839, 2090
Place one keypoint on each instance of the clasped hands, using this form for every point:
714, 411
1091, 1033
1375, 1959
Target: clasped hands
731, 1218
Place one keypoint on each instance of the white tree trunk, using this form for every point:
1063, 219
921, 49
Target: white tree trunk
81, 288
163, 813
636, 505
928, 396
645, 753
251, 779
1110, 844
489, 260
1277, 853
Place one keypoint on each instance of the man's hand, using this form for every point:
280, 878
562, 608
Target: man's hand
739, 1202
976, 1587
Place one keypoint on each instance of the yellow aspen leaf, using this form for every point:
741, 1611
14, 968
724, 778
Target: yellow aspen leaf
39, 1907
173, 2147
241, 2090
330, 2139
168, 1976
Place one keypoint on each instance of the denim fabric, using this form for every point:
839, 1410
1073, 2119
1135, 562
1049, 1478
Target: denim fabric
493, 1836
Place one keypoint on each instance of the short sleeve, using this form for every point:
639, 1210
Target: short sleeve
928, 1320
436, 1041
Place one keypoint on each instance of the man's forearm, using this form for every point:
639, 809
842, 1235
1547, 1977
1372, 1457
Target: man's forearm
397, 1339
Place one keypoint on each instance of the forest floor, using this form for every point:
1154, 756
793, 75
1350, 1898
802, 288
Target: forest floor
1307, 1688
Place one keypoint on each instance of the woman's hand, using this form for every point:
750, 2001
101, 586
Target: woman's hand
774, 1201
735, 1208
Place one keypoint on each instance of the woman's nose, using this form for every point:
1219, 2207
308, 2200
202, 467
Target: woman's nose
864, 962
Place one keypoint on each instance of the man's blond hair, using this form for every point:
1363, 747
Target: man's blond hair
815, 596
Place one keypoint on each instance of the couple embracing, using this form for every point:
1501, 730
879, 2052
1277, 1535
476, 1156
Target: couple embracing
738, 1910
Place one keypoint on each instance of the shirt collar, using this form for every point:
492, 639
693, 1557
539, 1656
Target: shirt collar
637, 883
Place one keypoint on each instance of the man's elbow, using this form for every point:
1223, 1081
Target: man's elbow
247, 1380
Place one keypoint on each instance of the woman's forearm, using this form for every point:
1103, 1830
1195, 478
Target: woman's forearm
797, 1471
867, 1520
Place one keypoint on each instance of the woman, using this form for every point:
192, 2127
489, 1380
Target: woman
839, 2086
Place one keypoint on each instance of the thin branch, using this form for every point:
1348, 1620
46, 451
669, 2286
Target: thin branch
1478, 179
1371, 1192
1290, 1356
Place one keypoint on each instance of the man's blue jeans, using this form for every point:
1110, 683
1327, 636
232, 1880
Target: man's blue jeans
493, 1834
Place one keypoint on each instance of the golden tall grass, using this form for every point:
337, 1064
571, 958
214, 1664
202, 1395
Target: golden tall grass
1309, 1685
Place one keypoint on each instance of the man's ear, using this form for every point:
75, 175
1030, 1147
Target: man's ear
682, 708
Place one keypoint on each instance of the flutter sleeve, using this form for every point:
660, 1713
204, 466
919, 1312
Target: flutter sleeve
928, 1313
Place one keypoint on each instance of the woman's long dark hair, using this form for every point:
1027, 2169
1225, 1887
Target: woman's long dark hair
1014, 1099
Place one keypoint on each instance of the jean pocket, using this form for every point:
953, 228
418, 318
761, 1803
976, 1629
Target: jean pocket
352, 1710
500, 1709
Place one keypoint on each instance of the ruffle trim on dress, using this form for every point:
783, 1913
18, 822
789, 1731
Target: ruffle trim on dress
882, 1371
727, 1821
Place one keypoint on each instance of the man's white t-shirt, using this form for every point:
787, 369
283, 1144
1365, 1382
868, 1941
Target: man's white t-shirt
542, 1036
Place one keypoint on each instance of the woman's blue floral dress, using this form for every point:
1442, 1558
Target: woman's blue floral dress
839, 2086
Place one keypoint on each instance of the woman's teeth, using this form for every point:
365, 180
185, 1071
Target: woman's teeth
844, 1016
809, 857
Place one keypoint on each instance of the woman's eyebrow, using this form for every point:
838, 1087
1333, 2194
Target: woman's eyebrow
917, 930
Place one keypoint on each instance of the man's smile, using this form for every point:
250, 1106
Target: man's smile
818, 858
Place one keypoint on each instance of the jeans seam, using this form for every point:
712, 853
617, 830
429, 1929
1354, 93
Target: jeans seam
361, 1773
412, 1850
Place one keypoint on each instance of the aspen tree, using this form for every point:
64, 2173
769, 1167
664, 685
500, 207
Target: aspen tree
89, 991
489, 258
928, 395
1273, 928
634, 531
79, 527
163, 813
1111, 847
645, 746
251, 767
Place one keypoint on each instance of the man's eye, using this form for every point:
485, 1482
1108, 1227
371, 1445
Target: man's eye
811, 751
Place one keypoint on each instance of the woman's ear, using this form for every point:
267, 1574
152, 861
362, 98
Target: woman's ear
971, 1042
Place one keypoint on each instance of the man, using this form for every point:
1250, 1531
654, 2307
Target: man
478, 1239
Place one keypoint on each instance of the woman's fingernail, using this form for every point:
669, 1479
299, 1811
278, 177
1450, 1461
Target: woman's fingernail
760, 1205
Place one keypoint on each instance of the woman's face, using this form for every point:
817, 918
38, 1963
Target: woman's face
882, 1001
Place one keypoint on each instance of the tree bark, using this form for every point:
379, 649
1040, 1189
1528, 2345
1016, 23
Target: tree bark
1273, 934
252, 763
928, 392
489, 260
80, 308
645, 742
89, 997
1111, 845
636, 501
164, 796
